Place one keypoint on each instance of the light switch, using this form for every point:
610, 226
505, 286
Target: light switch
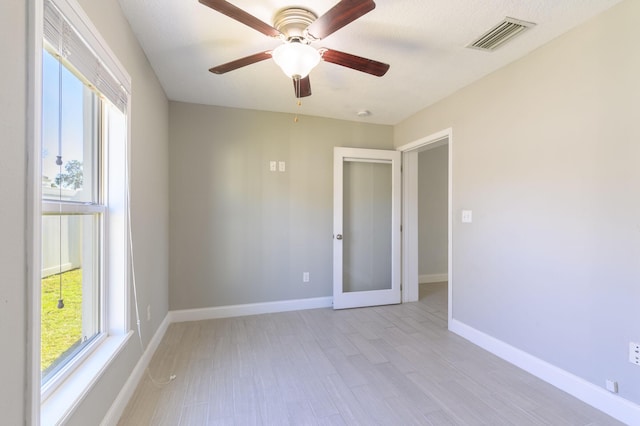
281, 166
467, 216
272, 166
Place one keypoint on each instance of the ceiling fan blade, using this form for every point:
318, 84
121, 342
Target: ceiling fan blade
302, 87
240, 15
355, 62
343, 13
242, 62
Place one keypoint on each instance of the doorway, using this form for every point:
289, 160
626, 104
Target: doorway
410, 219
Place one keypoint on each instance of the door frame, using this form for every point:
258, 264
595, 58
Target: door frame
410, 152
393, 295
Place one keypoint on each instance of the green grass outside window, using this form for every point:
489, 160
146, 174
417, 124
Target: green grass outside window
60, 328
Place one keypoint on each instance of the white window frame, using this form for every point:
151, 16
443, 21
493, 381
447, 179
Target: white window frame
96, 208
61, 402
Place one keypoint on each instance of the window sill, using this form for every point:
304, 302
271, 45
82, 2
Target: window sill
62, 402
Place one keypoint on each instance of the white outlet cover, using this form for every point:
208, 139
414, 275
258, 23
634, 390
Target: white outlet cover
467, 216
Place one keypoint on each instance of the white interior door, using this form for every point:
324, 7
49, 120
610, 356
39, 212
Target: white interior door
366, 227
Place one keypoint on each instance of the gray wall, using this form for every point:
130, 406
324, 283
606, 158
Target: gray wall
13, 165
149, 147
545, 153
240, 233
433, 209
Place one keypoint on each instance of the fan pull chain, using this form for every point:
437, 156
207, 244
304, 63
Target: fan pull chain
297, 82
295, 120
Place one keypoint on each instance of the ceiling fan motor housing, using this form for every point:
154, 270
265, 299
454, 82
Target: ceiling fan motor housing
293, 21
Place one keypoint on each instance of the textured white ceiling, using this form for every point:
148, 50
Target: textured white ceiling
423, 40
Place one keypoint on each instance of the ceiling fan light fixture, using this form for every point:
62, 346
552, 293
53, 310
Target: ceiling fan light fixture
296, 59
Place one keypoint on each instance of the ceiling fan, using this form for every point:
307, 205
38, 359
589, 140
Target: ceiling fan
297, 28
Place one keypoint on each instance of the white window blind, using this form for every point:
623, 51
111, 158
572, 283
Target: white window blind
74, 51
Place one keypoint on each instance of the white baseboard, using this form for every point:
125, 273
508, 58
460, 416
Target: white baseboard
433, 278
125, 394
615, 406
249, 309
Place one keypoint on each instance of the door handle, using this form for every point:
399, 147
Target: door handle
339, 237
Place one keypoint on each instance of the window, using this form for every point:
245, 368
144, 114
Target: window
83, 235
73, 213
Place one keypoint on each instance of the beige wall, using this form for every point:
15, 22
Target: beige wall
13, 166
545, 153
240, 233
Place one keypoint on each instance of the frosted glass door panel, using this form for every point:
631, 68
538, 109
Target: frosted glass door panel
367, 226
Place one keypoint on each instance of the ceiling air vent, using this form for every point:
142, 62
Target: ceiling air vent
496, 36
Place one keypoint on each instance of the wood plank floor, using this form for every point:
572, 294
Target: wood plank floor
391, 365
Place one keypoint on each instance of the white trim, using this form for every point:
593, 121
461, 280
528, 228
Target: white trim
249, 309
124, 396
440, 136
410, 216
34, 213
58, 208
65, 375
615, 406
57, 408
432, 278
450, 227
410, 261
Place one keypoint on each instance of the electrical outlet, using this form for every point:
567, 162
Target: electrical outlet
305, 277
272, 166
634, 353
148, 312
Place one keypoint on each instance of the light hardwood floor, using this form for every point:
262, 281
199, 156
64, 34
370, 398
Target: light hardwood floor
391, 365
